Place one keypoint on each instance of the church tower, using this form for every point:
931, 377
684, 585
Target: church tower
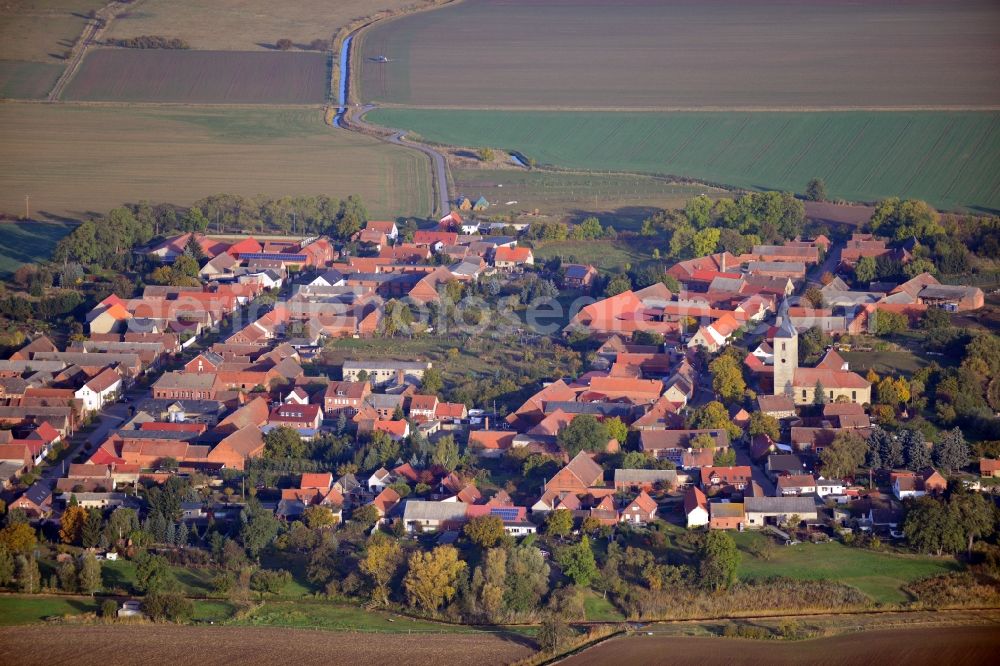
786, 354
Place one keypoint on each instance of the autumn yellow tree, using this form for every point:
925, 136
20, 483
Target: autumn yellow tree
381, 561
71, 524
432, 577
18, 538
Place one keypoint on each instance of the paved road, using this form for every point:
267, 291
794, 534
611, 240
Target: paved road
440, 172
344, 120
831, 262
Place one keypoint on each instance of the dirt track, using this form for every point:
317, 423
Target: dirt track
142, 645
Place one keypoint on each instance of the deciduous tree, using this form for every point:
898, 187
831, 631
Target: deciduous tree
381, 561
559, 523
584, 433
432, 578
577, 562
719, 560
485, 531
844, 455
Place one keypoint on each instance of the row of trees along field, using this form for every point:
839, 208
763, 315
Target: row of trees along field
105, 240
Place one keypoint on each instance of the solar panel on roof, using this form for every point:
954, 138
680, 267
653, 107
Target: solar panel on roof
505, 513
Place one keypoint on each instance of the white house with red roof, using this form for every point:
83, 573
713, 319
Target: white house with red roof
100, 390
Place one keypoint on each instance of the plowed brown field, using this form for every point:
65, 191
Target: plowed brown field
143, 645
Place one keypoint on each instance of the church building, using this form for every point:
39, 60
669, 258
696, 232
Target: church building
831, 375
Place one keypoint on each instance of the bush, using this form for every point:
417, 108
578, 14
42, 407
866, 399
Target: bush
168, 607
955, 589
109, 608
744, 630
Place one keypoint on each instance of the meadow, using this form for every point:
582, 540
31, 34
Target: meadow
605, 255
693, 54
879, 575
951, 159
28, 242
244, 25
79, 160
210, 77
619, 199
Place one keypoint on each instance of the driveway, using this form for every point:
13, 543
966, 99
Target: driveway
757, 470
827, 266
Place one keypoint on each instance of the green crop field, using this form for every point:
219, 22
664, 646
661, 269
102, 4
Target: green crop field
879, 575
76, 160
723, 54
618, 199
951, 159
28, 242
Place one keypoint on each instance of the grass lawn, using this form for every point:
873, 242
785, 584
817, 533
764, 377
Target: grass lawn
212, 611
194, 582
879, 575
295, 564
599, 609
338, 617
15, 609
620, 200
605, 255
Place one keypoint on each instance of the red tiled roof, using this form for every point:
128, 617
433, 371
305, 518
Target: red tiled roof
512, 254
830, 379
646, 503
694, 498
492, 439
316, 480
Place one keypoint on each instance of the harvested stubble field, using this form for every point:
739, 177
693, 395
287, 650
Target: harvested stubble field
158, 644
208, 77
688, 54
963, 646
74, 160
35, 38
244, 25
950, 159
619, 199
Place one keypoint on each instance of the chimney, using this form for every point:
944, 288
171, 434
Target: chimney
486, 423
400, 376
722, 262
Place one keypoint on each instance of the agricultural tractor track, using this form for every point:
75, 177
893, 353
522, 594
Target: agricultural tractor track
91, 35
